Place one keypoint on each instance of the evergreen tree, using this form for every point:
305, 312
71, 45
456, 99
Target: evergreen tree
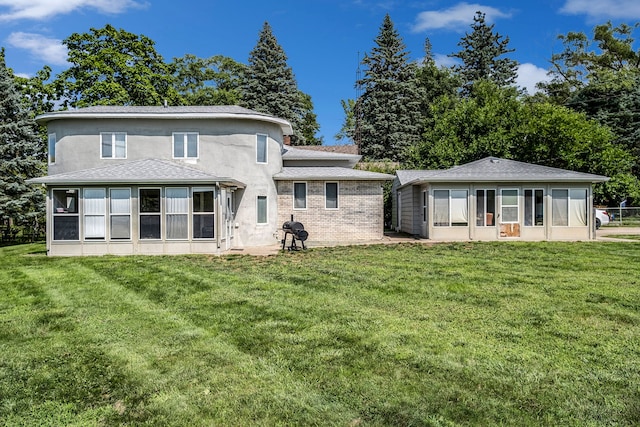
480, 55
389, 120
21, 157
270, 87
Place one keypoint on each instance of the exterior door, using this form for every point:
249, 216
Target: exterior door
509, 213
229, 218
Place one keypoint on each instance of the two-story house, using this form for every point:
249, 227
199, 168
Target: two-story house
176, 180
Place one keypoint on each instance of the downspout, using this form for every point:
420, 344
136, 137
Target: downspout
217, 216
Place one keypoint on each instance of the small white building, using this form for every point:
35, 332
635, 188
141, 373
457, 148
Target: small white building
495, 199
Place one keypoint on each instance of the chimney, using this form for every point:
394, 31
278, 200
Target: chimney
286, 139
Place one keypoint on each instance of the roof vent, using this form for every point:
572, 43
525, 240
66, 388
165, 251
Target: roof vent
495, 160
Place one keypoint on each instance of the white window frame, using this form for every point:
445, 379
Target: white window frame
185, 147
533, 207
203, 213
266, 206
306, 192
113, 214
51, 147
451, 206
503, 205
112, 136
168, 211
266, 148
62, 212
485, 206
87, 214
425, 198
326, 200
141, 214
570, 206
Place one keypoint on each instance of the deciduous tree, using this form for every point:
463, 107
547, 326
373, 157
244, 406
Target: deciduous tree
208, 81
114, 67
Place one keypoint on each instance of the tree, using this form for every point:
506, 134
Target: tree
602, 79
497, 122
480, 56
21, 157
389, 109
114, 67
348, 129
208, 81
270, 87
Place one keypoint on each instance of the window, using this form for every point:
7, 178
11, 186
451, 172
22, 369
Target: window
299, 195
424, 206
533, 208
485, 208
509, 206
52, 147
331, 195
120, 213
114, 145
203, 213
185, 145
450, 208
95, 207
262, 210
149, 208
569, 207
65, 215
261, 148
176, 213
441, 208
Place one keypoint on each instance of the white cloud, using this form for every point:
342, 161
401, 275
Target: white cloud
42, 9
444, 60
456, 18
601, 10
529, 75
52, 51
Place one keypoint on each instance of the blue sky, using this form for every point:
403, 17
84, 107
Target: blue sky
323, 39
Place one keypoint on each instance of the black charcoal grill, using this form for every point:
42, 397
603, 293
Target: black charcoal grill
297, 232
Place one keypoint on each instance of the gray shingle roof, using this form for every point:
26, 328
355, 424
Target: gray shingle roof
147, 171
293, 153
493, 169
324, 173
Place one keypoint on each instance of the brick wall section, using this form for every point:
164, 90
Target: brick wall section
359, 216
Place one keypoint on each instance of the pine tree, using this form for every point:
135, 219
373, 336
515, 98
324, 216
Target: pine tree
270, 87
480, 55
21, 157
389, 109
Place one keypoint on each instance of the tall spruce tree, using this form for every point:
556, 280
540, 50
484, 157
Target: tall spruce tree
270, 87
389, 120
480, 56
21, 157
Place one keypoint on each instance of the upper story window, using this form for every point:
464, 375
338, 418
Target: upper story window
114, 145
52, 148
261, 148
185, 145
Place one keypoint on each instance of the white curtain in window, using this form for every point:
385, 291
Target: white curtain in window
177, 206
441, 208
459, 206
578, 207
94, 212
560, 207
120, 201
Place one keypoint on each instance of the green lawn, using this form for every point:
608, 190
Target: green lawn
450, 334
